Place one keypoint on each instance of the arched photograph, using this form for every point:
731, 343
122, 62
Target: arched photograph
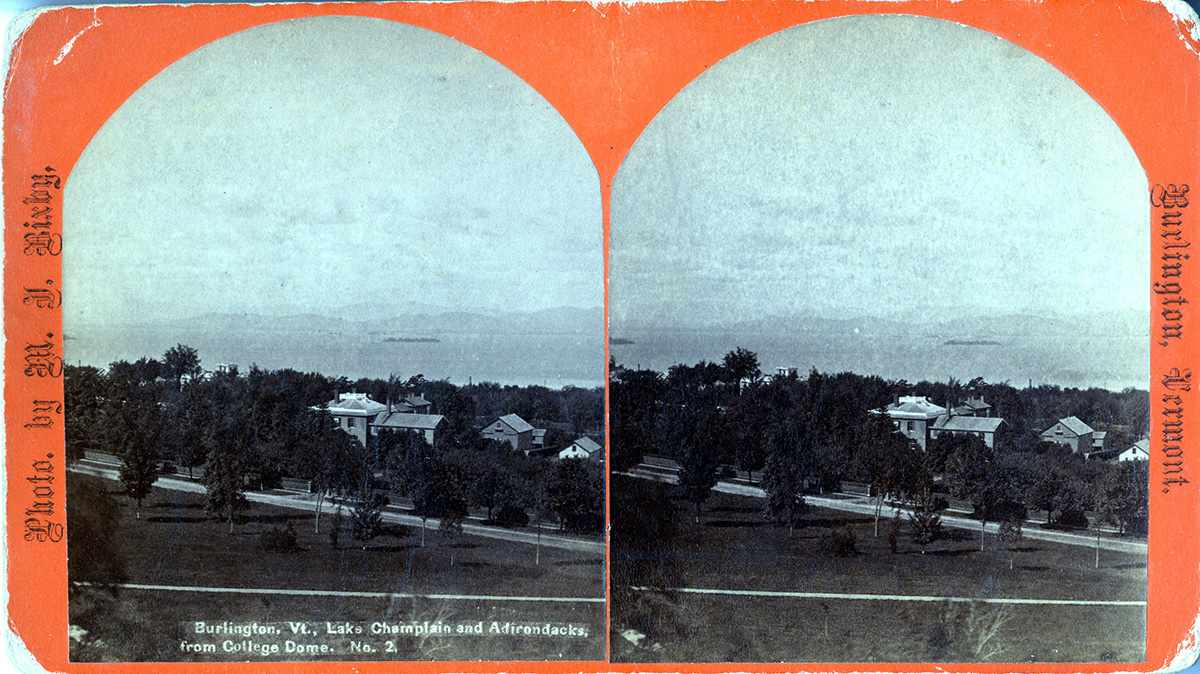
334, 339
879, 345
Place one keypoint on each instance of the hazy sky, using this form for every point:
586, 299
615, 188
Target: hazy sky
322, 162
883, 165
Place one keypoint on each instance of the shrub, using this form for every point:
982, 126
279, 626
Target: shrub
893, 533
842, 542
1074, 519
925, 523
367, 517
510, 515
279, 539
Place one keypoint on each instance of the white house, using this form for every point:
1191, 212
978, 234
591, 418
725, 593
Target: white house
512, 429
354, 413
1070, 432
360, 416
1140, 451
921, 420
583, 448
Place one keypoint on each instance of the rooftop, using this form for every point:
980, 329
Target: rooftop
408, 420
974, 424
1074, 425
516, 423
914, 407
354, 403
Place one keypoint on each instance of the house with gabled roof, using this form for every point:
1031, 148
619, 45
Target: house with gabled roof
512, 429
354, 413
417, 405
1070, 432
914, 416
360, 416
920, 420
425, 424
583, 448
984, 428
974, 407
1140, 451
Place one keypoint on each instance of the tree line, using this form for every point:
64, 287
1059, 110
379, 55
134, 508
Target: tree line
809, 434
235, 431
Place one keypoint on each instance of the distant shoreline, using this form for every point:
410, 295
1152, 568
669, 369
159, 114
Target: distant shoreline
413, 340
970, 342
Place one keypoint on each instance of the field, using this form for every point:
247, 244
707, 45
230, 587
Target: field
176, 543
729, 547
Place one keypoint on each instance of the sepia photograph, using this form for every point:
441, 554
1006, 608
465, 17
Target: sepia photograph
333, 330
879, 339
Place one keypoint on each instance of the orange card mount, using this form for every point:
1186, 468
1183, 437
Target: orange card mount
372, 207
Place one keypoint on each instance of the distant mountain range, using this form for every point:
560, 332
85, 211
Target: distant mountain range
976, 328
368, 319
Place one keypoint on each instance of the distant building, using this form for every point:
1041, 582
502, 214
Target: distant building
583, 448
974, 407
424, 423
1099, 441
360, 416
785, 372
539, 438
921, 420
984, 428
354, 413
1140, 451
512, 429
416, 405
914, 416
1070, 432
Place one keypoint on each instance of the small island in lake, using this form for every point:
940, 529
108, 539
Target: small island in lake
413, 340
970, 342
620, 341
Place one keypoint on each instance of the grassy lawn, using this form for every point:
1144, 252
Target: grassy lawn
175, 542
731, 547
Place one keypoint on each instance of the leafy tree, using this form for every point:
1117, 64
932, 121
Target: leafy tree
790, 461
83, 407
576, 495
988, 480
181, 361
924, 520
366, 519
229, 445
451, 524
332, 459
890, 461
635, 397
435, 493
1120, 496
741, 365
1009, 534
136, 435
1054, 480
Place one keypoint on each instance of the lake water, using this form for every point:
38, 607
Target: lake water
1113, 362
555, 360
